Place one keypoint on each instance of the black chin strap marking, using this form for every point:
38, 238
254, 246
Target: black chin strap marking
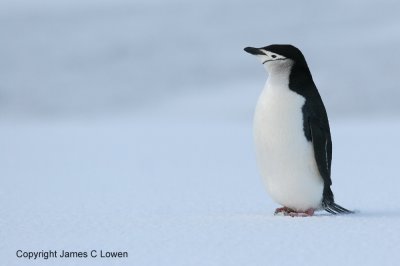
273, 60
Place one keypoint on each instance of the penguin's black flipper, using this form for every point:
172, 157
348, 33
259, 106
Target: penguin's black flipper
322, 144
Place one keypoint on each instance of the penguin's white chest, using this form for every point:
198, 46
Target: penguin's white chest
285, 157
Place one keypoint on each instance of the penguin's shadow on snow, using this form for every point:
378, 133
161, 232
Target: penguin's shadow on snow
362, 213
377, 213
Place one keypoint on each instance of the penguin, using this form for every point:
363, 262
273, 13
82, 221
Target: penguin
292, 135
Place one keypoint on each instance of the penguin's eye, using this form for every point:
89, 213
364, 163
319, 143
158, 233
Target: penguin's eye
273, 56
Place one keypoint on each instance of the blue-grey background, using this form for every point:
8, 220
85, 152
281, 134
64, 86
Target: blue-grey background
126, 126
99, 57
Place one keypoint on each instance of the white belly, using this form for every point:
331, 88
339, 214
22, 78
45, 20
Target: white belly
285, 157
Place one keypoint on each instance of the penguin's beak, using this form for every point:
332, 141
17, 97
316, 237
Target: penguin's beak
254, 51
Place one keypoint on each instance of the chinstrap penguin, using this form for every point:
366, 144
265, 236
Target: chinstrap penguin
292, 135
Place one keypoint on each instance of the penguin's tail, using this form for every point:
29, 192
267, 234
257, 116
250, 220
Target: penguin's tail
334, 208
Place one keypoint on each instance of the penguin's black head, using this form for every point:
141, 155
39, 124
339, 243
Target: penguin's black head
278, 53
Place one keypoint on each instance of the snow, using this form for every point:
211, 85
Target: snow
107, 144
171, 190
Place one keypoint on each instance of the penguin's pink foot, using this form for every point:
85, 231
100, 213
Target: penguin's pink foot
285, 211
307, 213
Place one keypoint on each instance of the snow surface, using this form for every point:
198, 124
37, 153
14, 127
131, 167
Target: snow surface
178, 186
107, 144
